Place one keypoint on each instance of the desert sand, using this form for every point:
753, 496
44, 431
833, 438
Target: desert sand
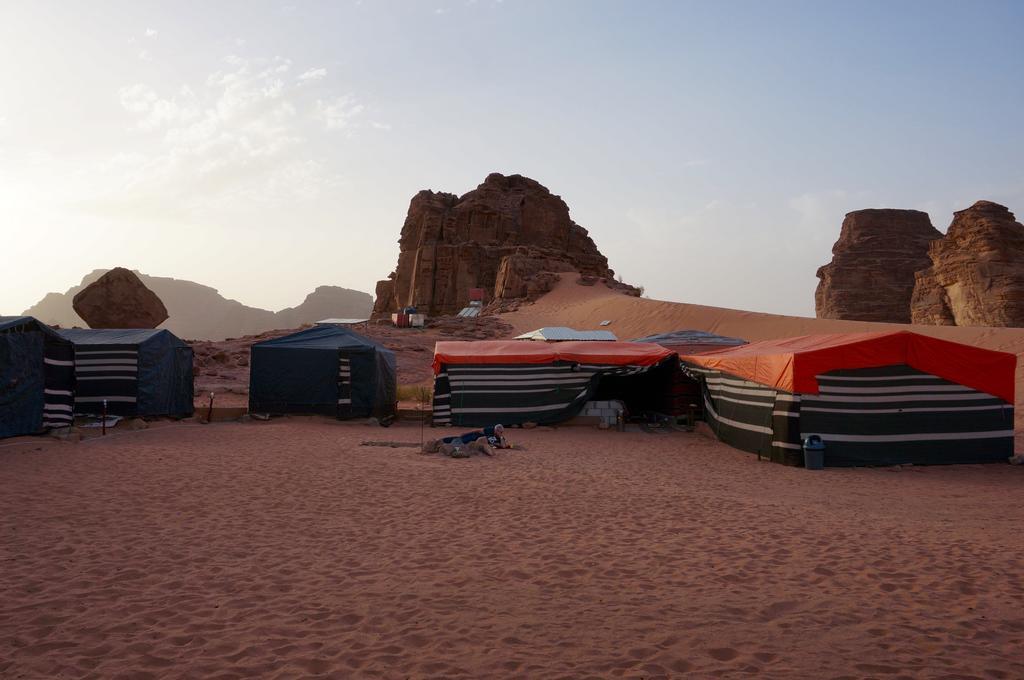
285, 549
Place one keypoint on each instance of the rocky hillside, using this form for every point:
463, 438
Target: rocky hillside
200, 312
976, 277
893, 266
871, 275
509, 236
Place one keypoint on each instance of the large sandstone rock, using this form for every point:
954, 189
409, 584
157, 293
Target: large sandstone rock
118, 299
976, 277
506, 236
871, 276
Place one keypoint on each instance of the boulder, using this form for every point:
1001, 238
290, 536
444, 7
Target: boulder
500, 237
976, 272
871, 275
119, 299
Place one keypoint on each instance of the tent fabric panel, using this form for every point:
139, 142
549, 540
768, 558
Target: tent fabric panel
106, 371
21, 383
512, 394
164, 386
293, 380
442, 401
59, 379
739, 414
899, 415
792, 364
480, 352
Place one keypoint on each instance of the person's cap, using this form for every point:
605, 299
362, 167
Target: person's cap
499, 428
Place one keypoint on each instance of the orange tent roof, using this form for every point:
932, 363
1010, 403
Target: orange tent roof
793, 364
526, 352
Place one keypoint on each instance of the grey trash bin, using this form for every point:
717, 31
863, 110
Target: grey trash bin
814, 453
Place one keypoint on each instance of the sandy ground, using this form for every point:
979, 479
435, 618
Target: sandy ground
286, 549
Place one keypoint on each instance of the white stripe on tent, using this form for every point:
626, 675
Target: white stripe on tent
737, 383
789, 414
937, 409
62, 393
496, 367
914, 389
107, 362
735, 423
787, 445
481, 380
106, 367
766, 392
443, 396
98, 400
765, 404
550, 389
870, 378
513, 383
344, 401
106, 377
923, 436
902, 397
55, 407
788, 397
513, 409
55, 362
96, 352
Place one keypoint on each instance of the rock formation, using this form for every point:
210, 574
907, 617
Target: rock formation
508, 236
200, 312
871, 276
118, 299
976, 277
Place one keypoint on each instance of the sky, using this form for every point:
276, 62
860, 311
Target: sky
710, 148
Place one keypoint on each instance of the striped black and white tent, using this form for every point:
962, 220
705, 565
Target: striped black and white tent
512, 382
873, 398
138, 372
330, 370
37, 379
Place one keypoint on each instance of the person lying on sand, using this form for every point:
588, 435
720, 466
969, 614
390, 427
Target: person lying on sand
464, 445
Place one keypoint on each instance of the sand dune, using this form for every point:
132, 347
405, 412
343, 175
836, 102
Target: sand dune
284, 549
578, 306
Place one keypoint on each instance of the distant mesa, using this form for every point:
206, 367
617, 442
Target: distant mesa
199, 312
119, 299
892, 265
510, 236
871, 275
976, 277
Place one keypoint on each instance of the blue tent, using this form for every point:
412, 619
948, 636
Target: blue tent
138, 371
37, 378
328, 370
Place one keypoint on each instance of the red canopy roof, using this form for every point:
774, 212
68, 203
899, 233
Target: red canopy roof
792, 364
526, 352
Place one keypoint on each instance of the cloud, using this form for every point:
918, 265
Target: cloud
313, 74
151, 33
144, 55
376, 125
244, 135
338, 113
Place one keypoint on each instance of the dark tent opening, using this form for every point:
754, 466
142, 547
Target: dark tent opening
654, 391
138, 372
326, 370
37, 378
